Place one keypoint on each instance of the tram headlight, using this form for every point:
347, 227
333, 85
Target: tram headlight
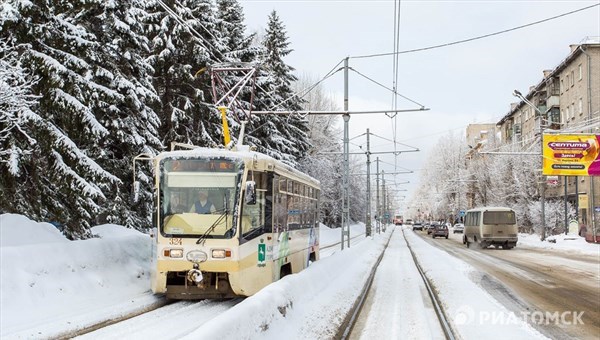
173, 253
220, 253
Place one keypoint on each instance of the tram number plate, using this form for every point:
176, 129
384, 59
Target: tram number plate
175, 241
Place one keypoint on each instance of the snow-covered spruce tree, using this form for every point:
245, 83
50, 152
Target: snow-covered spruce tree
233, 31
282, 137
128, 116
63, 181
16, 118
241, 48
180, 58
96, 93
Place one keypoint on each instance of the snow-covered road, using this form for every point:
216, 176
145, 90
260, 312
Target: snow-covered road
528, 279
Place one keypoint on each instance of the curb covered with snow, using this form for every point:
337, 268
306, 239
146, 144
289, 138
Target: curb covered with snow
568, 243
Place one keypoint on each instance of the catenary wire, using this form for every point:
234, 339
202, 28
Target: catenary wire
475, 38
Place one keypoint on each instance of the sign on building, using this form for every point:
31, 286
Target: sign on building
552, 180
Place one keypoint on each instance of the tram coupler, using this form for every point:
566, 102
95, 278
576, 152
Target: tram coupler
195, 275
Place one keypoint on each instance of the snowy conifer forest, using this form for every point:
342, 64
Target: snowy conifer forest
85, 86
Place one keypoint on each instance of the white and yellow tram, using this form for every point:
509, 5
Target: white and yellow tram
255, 221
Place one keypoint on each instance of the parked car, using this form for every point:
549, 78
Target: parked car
440, 230
417, 226
458, 228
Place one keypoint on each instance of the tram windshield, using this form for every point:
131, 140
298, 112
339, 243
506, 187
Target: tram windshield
198, 196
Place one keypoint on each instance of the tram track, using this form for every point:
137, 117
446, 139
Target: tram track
352, 316
157, 320
108, 322
439, 311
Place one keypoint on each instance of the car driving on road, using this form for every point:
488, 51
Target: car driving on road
417, 226
458, 228
439, 230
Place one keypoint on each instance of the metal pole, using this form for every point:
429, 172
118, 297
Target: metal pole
543, 184
543, 188
377, 208
384, 194
577, 201
566, 210
368, 224
345, 190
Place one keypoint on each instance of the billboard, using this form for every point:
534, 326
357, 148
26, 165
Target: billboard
571, 155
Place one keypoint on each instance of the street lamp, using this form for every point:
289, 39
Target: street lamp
518, 94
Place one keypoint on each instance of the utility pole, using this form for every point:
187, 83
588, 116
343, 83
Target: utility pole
384, 193
377, 203
543, 183
368, 224
566, 212
345, 184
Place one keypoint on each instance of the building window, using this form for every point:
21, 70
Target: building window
580, 72
567, 83
580, 106
562, 86
572, 78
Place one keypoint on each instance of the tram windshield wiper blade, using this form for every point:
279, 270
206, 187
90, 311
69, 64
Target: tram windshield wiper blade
212, 227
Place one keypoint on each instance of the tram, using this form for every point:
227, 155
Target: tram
230, 222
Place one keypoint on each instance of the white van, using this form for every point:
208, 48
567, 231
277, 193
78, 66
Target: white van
488, 226
409, 221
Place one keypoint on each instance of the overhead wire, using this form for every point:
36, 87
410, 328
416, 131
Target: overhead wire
395, 73
202, 41
385, 87
475, 38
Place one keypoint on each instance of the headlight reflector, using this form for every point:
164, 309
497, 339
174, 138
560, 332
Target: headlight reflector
174, 253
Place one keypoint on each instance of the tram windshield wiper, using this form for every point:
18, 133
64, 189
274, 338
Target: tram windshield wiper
203, 237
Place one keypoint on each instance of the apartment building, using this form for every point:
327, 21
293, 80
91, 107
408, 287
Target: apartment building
567, 99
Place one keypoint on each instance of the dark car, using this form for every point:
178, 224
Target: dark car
440, 230
417, 226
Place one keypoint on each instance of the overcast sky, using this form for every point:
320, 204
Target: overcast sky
460, 84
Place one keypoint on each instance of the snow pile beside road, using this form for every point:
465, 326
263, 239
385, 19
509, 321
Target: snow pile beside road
569, 243
28, 232
50, 284
301, 305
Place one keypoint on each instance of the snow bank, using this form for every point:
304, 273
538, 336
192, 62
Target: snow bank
50, 284
18, 230
295, 305
569, 243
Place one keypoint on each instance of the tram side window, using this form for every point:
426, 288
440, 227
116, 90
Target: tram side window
253, 216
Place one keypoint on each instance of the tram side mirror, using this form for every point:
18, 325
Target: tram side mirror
250, 193
135, 192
